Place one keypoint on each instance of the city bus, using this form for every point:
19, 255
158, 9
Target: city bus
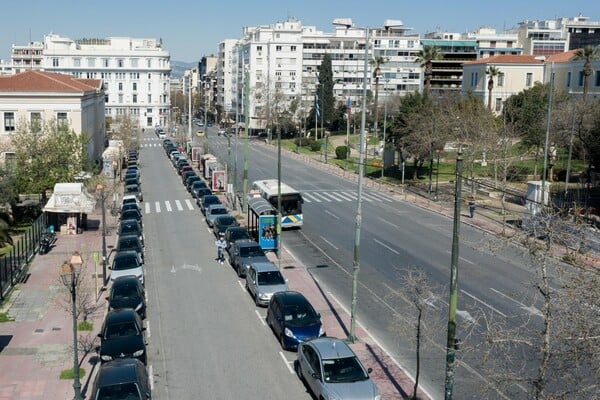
291, 201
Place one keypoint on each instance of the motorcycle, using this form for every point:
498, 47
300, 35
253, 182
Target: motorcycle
46, 241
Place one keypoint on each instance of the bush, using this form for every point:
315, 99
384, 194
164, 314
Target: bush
516, 173
315, 146
341, 152
303, 141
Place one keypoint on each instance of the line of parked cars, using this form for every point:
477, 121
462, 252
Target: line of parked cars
122, 349
328, 366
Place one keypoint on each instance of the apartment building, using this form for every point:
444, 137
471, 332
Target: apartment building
489, 43
135, 72
224, 82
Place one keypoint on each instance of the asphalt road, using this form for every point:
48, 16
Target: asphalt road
205, 338
494, 280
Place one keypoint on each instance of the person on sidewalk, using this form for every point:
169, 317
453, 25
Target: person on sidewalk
221, 244
472, 208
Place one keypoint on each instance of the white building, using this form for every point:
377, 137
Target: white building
224, 76
490, 43
135, 72
37, 97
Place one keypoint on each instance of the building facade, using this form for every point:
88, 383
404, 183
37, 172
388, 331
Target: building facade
30, 99
135, 72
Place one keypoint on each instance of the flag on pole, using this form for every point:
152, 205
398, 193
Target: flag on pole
349, 107
317, 105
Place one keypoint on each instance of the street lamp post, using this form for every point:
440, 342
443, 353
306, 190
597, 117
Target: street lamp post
69, 275
437, 174
102, 198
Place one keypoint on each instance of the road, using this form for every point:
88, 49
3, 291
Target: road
205, 340
493, 280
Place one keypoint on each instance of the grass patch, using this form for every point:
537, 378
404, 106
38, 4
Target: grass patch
68, 373
4, 317
85, 326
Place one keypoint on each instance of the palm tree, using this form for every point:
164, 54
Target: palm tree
493, 72
588, 53
376, 63
425, 57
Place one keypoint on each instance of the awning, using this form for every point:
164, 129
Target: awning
70, 198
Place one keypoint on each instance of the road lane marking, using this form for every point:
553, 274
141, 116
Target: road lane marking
189, 204
484, 303
260, 318
288, 364
386, 246
151, 376
147, 206
529, 309
332, 214
148, 335
316, 194
179, 206
242, 286
387, 222
157, 206
168, 205
329, 243
344, 196
326, 194
462, 258
309, 198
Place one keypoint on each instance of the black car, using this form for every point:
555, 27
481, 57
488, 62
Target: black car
122, 336
187, 174
134, 189
133, 168
131, 177
222, 222
127, 292
190, 181
208, 200
235, 233
131, 227
181, 162
125, 378
132, 214
198, 191
130, 242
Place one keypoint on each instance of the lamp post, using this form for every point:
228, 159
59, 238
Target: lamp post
358, 218
102, 198
69, 275
437, 174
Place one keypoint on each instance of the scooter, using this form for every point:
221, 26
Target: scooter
46, 241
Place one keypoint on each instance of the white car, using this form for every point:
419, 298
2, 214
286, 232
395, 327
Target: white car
222, 132
126, 263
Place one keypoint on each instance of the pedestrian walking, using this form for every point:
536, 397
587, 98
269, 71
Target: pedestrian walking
472, 208
221, 244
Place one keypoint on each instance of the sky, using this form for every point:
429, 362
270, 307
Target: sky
191, 29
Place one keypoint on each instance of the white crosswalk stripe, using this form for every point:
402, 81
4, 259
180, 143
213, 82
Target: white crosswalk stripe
309, 198
168, 205
178, 204
380, 196
157, 205
332, 196
317, 194
344, 196
189, 204
147, 208
367, 198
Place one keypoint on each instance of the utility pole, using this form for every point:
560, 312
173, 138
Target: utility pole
451, 338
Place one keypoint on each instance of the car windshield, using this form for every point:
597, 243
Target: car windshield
235, 235
123, 391
132, 189
218, 211
124, 291
123, 263
130, 214
130, 228
121, 329
226, 220
270, 278
255, 251
299, 315
343, 370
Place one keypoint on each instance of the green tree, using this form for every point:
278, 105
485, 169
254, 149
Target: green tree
588, 53
492, 72
376, 64
425, 57
325, 89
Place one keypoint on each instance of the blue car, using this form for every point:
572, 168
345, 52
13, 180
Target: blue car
293, 319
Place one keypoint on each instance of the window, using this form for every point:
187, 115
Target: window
149, 86
134, 85
149, 63
120, 63
149, 75
55, 62
35, 122
597, 83
77, 62
135, 98
91, 62
106, 100
528, 79
105, 62
498, 106
293, 48
9, 121
580, 80
277, 48
569, 79
120, 98
149, 98
10, 159
500, 80
258, 48
134, 63
120, 85
410, 44
61, 120
474, 79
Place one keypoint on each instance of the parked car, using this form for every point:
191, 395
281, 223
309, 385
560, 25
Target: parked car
181, 163
331, 370
122, 336
130, 206
293, 319
199, 187
190, 181
130, 242
244, 252
126, 263
213, 211
131, 227
222, 222
134, 189
133, 168
132, 214
167, 142
263, 279
127, 292
208, 200
186, 174
184, 169
130, 199
125, 378
235, 233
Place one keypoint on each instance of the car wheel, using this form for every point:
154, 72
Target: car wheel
256, 299
282, 341
239, 273
298, 369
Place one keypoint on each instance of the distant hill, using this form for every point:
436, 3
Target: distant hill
177, 68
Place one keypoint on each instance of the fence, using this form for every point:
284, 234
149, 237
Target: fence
13, 265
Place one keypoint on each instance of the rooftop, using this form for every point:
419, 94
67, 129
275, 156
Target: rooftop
41, 81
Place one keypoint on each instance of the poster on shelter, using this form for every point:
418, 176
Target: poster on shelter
196, 153
267, 232
218, 181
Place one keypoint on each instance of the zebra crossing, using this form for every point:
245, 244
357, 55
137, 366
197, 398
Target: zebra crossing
339, 196
169, 206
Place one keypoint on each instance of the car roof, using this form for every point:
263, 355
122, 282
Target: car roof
126, 238
126, 253
246, 243
120, 370
237, 228
291, 297
330, 348
125, 280
130, 197
264, 266
215, 206
120, 315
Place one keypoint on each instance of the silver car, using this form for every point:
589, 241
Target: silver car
262, 280
213, 211
331, 370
